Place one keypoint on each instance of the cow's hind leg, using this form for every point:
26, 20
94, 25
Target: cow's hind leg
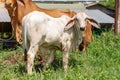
50, 59
30, 58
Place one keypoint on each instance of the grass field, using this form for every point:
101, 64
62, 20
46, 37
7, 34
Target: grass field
101, 62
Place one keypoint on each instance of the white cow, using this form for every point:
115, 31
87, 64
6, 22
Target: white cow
48, 34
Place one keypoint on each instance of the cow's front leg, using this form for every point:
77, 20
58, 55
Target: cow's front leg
66, 54
30, 58
18, 34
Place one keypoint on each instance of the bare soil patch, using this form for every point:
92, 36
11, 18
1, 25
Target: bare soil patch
13, 59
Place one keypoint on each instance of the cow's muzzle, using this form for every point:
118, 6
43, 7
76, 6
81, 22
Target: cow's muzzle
8, 3
82, 28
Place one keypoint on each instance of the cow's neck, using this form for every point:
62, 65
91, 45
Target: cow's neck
20, 12
23, 10
77, 35
28, 2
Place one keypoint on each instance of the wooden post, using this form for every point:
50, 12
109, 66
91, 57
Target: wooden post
117, 22
119, 16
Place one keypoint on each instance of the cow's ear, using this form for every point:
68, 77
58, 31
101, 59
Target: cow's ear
93, 22
69, 25
20, 2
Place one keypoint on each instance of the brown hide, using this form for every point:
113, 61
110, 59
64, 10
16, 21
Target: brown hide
19, 8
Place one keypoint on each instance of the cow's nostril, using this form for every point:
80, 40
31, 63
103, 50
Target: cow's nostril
82, 28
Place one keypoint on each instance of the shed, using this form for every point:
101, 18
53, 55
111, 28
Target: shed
107, 10
5, 25
6, 37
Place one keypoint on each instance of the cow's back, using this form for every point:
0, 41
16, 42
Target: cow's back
31, 6
52, 12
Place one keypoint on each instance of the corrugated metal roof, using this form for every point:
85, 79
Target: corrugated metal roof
4, 16
60, 6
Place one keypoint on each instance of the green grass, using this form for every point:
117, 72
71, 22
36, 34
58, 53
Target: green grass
110, 3
101, 62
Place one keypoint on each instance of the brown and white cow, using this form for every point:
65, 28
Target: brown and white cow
18, 8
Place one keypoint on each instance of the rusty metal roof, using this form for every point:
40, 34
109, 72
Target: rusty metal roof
4, 16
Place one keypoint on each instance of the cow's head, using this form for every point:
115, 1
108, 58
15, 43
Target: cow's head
12, 3
11, 6
81, 19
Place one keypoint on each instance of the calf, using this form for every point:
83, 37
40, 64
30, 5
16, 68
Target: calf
45, 32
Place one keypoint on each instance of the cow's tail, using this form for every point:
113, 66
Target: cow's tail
24, 35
